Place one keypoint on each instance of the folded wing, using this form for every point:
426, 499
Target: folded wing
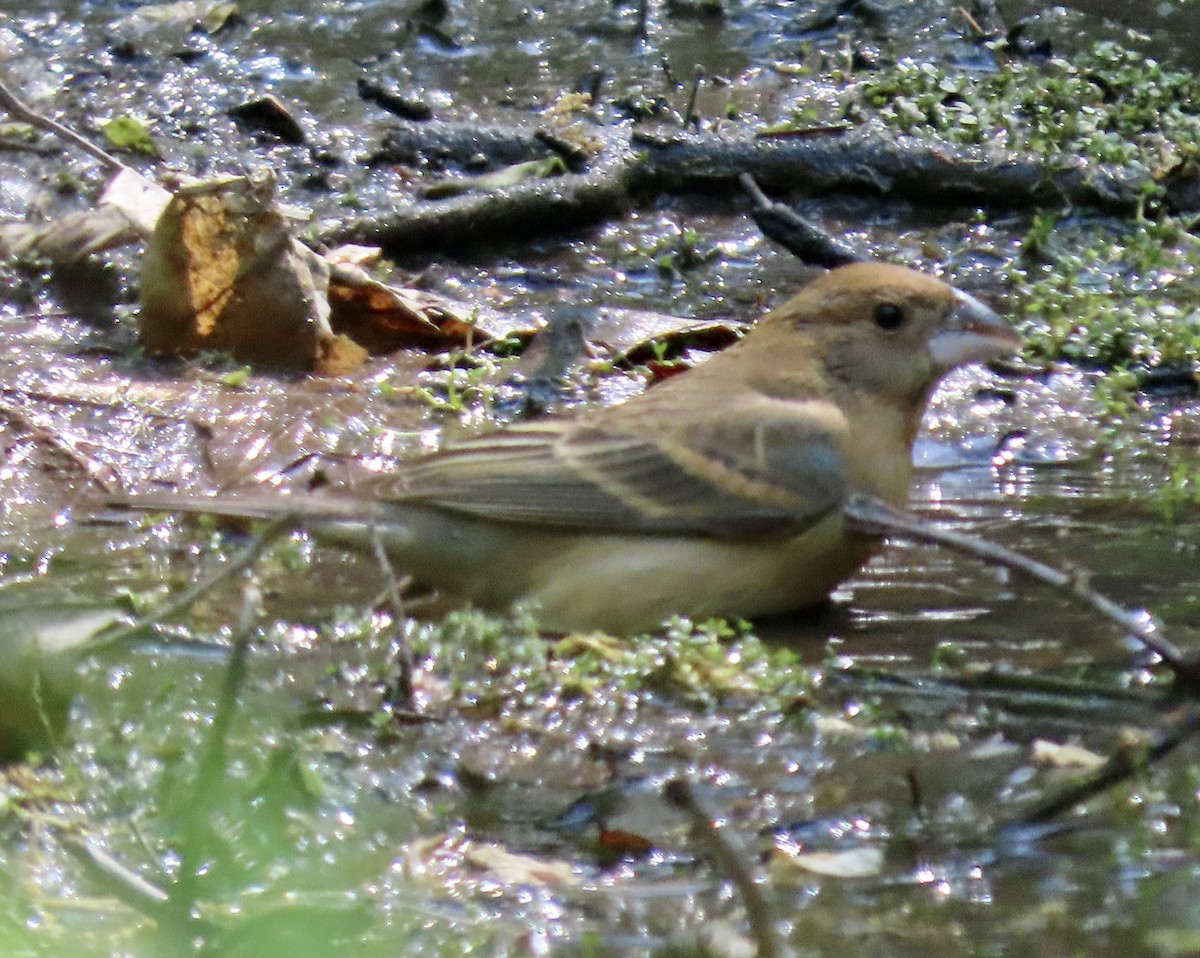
724, 479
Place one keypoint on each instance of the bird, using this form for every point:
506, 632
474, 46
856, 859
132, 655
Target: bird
716, 493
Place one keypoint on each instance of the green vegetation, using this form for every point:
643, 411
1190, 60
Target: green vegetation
504, 661
1116, 296
459, 380
1109, 104
1104, 293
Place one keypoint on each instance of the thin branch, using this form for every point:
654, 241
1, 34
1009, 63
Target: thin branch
801, 237
729, 862
243, 560
194, 847
1123, 765
60, 442
17, 108
116, 880
401, 695
875, 517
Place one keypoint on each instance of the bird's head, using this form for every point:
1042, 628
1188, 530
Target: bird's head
888, 330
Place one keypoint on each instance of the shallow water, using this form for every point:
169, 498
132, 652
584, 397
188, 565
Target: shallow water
339, 831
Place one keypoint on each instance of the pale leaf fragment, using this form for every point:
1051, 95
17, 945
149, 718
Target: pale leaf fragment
509, 868
453, 858
863, 861
127, 211
139, 198
1065, 756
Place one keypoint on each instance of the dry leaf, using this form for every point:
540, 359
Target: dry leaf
862, 861
450, 857
211, 15
138, 197
498, 179
635, 335
385, 318
836, 726
223, 272
1065, 756
352, 254
509, 868
127, 211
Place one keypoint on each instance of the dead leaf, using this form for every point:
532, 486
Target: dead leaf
636, 335
70, 238
138, 197
352, 254
862, 861
126, 212
509, 868
838, 727
183, 15
383, 318
498, 179
452, 857
1065, 756
223, 272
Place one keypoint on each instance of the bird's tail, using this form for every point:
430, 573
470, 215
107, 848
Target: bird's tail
253, 505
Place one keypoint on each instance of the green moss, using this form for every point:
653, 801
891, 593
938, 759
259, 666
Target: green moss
505, 660
1112, 296
458, 381
1106, 294
1110, 104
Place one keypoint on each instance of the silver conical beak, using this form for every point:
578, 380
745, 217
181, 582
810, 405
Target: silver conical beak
972, 333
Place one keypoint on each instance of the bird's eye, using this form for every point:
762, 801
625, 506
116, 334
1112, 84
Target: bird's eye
889, 316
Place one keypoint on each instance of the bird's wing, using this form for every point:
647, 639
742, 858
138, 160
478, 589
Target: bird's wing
729, 479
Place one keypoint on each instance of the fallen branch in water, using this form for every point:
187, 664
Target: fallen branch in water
526, 208
642, 164
1122, 765
17, 109
874, 517
729, 862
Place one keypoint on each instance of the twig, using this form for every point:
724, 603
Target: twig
875, 517
729, 861
980, 33
126, 886
178, 930
243, 560
689, 114
1123, 764
59, 442
799, 236
215, 760
401, 695
17, 108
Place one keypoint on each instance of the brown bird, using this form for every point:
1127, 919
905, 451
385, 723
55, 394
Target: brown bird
717, 493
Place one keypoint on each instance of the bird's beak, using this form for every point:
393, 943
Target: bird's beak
972, 333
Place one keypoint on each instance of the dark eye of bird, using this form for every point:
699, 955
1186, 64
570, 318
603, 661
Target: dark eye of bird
888, 316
